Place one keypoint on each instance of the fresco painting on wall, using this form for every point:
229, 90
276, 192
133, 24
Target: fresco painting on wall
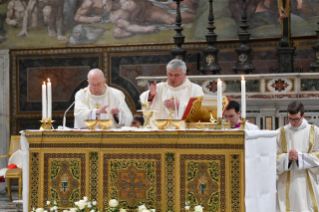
60, 23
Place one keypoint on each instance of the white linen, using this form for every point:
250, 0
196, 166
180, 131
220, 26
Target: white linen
260, 171
86, 104
25, 174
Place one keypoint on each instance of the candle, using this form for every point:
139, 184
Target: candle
49, 99
219, 99
243, 98
44, 101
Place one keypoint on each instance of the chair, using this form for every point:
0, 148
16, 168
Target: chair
13, 173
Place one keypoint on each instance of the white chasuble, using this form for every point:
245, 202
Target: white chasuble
164, 92
86, 105
297, 189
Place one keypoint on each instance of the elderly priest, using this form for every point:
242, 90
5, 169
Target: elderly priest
99, 101
170, 99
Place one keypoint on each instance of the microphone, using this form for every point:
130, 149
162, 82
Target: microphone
64, 117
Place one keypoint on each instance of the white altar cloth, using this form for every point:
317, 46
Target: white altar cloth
260, 170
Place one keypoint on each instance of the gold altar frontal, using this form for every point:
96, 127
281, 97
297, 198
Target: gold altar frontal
163, 169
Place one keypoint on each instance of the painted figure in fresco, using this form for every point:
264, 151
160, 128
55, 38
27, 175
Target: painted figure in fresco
15, 12
130, 16
82, 35
52, 11
68, 11
92, 12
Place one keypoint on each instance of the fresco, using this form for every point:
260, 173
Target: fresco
60, 23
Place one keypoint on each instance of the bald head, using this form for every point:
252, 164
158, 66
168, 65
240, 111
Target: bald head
95, 73
96, 81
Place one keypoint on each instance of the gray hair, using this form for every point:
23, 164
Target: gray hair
176, 64
96, 69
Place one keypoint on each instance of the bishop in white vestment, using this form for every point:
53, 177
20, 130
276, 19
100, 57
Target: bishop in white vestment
100, 101
169, 99
298, 166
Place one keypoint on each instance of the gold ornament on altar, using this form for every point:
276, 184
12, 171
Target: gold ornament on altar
161, 123
177, 123
147, 114
91, 123
202, 116
46, 124
105, 123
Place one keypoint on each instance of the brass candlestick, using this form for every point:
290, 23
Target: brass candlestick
242, 125
46, 124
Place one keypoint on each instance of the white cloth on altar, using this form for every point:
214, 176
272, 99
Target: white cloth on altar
86, 104
308, 163
260, 170
164, 92
25, 174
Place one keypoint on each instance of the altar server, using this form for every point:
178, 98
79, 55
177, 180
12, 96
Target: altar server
297, 163
169, 99
232, 114
100, 101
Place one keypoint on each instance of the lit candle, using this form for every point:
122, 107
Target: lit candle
49, 99
219, 99
44, 101
243, 98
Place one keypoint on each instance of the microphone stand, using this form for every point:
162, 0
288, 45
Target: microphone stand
64, 117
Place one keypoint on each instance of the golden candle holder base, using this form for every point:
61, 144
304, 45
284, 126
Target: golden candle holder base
242, 125
46, 124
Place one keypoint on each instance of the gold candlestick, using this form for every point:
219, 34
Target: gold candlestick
242, 125
46, 124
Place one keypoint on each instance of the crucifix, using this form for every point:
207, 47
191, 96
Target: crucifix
286, 48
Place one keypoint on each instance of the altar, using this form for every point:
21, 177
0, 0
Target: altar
221, 170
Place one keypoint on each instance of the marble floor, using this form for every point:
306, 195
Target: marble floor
6, 204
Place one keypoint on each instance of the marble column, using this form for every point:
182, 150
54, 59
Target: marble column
4, 106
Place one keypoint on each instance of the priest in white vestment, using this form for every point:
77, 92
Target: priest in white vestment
169, 99
232, 114
297, 163
100, 101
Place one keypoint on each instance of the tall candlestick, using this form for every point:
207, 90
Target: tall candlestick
44, 101
219, 99
243, 98
49, 99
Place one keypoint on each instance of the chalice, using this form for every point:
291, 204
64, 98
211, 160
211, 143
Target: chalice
105, 123
91, 123
161, 123
147, 114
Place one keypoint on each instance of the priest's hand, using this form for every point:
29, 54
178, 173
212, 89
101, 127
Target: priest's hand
101, 110
152, 91
115, 111
170, 103
293, 154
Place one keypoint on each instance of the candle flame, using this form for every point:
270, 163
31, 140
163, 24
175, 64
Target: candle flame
218, 80
43, 82
48, 79
242, 77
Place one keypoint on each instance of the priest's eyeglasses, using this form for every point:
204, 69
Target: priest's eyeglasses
296, 120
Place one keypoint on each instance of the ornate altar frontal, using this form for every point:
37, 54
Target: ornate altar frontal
163, 169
